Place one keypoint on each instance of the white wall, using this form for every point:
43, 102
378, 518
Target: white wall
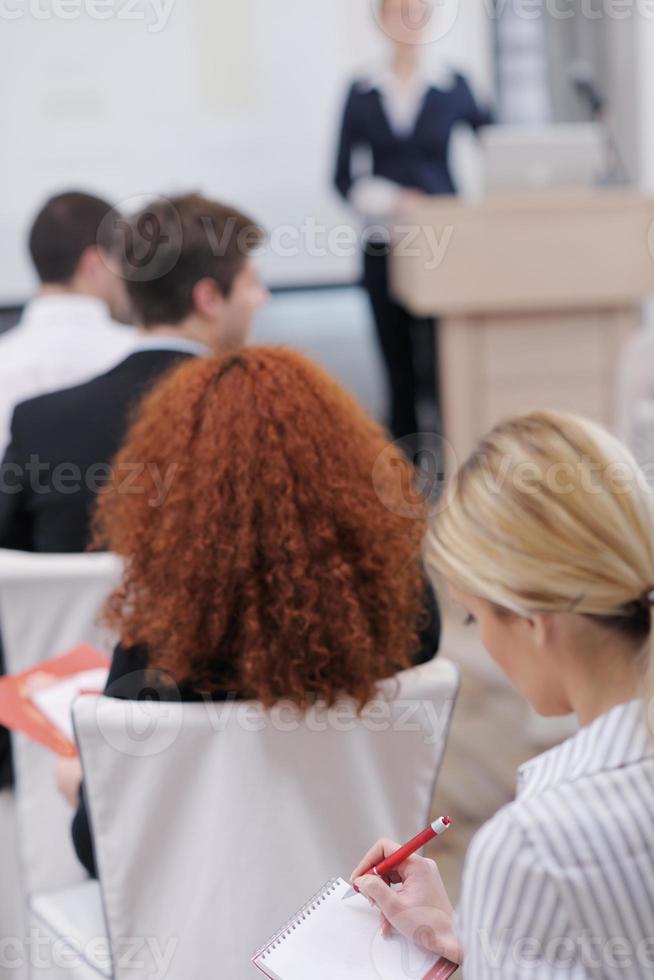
240, 100
645, 116
645, 107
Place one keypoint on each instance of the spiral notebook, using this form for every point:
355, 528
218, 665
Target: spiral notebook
329, 939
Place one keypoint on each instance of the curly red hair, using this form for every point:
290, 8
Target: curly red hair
271, 568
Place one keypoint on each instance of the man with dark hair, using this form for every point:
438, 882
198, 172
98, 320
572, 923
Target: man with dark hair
66, 334
194, 289
173, 245
65, 228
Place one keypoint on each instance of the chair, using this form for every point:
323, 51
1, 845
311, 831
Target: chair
11, 909
48, 604
213, 823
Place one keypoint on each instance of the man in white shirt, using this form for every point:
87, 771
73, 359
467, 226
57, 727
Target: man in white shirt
67, 334
194, 293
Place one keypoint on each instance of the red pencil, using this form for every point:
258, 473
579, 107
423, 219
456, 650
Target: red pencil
394, 860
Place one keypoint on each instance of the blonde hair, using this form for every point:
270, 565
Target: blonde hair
551, 512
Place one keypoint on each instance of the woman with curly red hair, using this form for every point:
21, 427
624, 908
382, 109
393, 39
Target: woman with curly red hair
270, 566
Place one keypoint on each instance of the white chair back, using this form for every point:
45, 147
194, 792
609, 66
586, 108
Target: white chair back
48, 605
214, 823
12, 913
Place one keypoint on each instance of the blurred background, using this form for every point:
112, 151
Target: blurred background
131, 98
242, 101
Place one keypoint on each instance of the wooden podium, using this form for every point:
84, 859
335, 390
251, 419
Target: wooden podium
536, 294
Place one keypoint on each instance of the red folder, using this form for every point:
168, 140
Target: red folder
20, 714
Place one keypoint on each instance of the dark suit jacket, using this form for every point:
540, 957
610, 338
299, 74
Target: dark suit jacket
60, 450
58, 458
418, 161
131, 680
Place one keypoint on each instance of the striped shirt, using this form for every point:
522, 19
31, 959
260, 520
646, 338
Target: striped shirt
560, 883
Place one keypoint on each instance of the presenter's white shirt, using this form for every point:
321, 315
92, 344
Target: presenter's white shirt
375, 198
60, 341
560, 883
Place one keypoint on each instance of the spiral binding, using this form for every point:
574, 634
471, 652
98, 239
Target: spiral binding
311, 906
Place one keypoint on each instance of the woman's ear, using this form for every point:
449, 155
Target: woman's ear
542, 627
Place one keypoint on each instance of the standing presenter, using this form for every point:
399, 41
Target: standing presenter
393, 149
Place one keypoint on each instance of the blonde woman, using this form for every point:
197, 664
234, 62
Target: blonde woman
546, 540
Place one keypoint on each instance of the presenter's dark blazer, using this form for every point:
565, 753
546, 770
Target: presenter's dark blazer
61, 446
418, 161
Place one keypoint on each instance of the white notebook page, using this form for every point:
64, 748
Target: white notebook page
339, 940
56, 700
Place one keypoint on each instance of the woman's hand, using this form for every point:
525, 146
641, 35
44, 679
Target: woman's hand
419, 908
69, 780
